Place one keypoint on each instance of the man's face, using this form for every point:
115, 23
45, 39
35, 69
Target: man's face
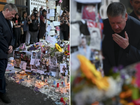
118, 23
10, 14
32, 17
136, 6
45, 13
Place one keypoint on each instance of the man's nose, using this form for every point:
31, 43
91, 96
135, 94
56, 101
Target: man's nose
116, 26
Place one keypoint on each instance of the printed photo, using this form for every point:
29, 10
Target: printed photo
63, 68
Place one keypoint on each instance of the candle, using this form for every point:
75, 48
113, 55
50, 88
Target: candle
57, 85
28, 76
64, 84
56, 90
45, 80
15, 72
54, 82
42, 77
66, 81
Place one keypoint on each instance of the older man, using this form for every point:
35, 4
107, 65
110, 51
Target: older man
6, 46
136, 9
121, 44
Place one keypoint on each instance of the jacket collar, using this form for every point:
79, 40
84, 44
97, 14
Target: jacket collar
4, 20
134, 15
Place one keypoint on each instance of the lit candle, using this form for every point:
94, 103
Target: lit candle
65, 81
42, 77
28, 76
45, 80
15, 72
12, 61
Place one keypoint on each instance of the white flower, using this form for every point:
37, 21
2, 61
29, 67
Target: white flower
75, 64
88, 95
114, 88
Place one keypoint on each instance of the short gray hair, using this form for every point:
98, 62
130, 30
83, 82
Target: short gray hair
116, 9
11, 7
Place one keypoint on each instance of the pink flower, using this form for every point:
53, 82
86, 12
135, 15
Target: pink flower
138, 75
69, 48
23, 46
60, 1
42, 49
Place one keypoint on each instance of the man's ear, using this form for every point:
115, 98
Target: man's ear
126, 17
7, 9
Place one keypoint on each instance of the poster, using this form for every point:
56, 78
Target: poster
95, 38
36, 4
58, 10
51, 4
63, 69
52, 13
75, 34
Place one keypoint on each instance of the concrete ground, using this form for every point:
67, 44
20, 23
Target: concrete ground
21, 95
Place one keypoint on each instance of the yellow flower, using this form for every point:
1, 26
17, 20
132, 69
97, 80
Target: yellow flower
91, 73
65, 52
58, 47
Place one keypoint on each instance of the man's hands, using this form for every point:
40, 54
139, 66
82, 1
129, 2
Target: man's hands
10, 49
122, 42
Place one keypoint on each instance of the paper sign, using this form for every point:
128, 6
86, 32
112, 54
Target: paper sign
52, 26
10, 67
88, 1
56, 23
75, 34
48, 16
58, 10
52, 13
51, 33
63, 68
61, 12
40, 71
32, 61
51, 4
51, 17
51, 40
28, 70
48, 28
23, 65
95, 38
48, 22
53, 73
36, 62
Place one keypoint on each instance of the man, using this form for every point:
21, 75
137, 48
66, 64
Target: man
136, 9
121, 44
41, 10
6, 46
42, 24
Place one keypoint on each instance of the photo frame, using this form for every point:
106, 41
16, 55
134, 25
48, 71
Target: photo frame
63, 68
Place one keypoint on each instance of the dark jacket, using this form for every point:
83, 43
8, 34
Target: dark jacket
133, 30
134, 15
33, 27
6, 35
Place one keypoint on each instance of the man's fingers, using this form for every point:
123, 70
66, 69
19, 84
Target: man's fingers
126, 36
117, 36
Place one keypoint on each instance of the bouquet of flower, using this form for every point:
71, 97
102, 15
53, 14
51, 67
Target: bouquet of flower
121, 87
22, 47
67, 50
34, 47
